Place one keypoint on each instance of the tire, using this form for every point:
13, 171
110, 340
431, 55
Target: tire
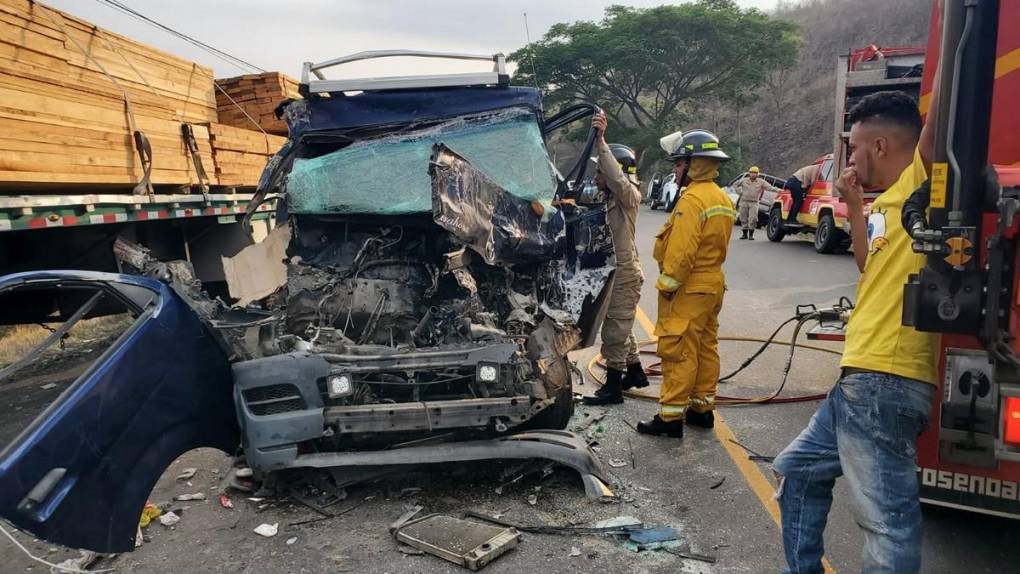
557, 415
774, 230
827, 236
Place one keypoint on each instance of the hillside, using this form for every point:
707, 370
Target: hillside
791, 123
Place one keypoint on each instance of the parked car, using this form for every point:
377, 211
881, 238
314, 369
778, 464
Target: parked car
767, 198
423, 292
667, 192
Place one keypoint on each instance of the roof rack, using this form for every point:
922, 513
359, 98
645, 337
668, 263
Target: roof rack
497, 77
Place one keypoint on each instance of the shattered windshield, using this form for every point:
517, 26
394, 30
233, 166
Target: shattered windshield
390, 175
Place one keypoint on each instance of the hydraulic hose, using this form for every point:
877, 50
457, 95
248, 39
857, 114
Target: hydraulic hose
772, 398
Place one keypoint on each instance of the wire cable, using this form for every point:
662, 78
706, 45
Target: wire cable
58, 567
722, 400
230, 59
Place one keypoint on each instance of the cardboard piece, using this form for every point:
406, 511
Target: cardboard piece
258, 270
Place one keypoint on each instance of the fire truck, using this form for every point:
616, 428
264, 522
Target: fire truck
858, 74
969, 290
966, 221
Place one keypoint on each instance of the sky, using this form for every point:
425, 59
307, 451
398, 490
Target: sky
278, 35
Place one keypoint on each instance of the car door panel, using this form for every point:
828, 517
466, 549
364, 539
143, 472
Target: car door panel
79, 475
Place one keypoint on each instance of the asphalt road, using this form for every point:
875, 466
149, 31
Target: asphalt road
702, 485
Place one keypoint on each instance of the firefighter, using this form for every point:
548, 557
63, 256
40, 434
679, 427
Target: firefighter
799, 184
749, 191
617, 171
690, 250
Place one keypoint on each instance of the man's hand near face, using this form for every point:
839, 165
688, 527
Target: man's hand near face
850, 189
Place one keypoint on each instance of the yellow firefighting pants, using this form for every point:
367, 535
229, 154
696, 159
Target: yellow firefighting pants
690, 354
619, 347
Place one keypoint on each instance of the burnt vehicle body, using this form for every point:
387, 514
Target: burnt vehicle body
433, 289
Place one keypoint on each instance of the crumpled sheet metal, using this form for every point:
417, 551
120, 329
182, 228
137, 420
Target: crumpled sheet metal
501, 226
390, 175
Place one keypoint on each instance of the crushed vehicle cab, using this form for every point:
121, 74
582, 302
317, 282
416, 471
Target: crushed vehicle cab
431, 285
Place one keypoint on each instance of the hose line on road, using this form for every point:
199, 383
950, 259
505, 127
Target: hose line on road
655, 369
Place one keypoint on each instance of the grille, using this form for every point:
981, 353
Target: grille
274, 399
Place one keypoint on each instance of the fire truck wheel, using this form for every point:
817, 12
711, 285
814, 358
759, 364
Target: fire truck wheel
774, 231
827, 236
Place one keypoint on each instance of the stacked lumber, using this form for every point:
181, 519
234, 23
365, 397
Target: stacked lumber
258, 95
63, 119
239, 154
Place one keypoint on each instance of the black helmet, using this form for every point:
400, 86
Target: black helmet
625, 157
699, 143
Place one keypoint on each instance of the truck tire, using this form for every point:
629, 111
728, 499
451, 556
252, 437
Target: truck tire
774, 230
827, 236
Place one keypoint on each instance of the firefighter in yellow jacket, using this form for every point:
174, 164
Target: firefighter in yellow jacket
690, 250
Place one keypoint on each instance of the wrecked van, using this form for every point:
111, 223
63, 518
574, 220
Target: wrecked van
415, 304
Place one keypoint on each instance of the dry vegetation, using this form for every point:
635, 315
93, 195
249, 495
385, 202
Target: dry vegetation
17, 340
792, 122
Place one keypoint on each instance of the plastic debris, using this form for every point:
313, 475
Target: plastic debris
267, 530
187, 474
169, 519
256, 499
575, 551
225, 501
532, 499
619, 522
149, 512
650, 535
617, 463
80, 563
291, 541
187, 497
48, 386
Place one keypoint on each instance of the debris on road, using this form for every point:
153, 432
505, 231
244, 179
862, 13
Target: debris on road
575, 551
617, 463
169, 519
651, 535
187, 474
691, 555
619, 522
225, 501
267, 530
48, 386
78, 564
405, 518
291, 540
189, 497
149, 512
718, 484
752, 455
244, 473
532, 499
463, 542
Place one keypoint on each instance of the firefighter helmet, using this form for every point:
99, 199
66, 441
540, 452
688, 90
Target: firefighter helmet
754, 169
699, 143
625, 157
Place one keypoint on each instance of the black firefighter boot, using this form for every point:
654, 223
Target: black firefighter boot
635, 377
703, 420
611, 393
743, 234
750, 234
657, 426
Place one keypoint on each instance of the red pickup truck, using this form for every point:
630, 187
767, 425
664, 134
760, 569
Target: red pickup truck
822, 213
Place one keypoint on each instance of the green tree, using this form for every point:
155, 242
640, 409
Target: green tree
652, 69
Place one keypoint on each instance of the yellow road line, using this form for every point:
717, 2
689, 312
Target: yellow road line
753, 476
646, 323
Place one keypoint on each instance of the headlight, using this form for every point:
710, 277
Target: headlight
487, 372
339, 385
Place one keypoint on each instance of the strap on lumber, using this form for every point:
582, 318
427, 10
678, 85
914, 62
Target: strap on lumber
144, 149
188, 133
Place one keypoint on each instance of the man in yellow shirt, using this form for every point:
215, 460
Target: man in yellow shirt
866, 428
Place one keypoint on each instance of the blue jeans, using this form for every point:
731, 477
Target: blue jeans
866, 428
